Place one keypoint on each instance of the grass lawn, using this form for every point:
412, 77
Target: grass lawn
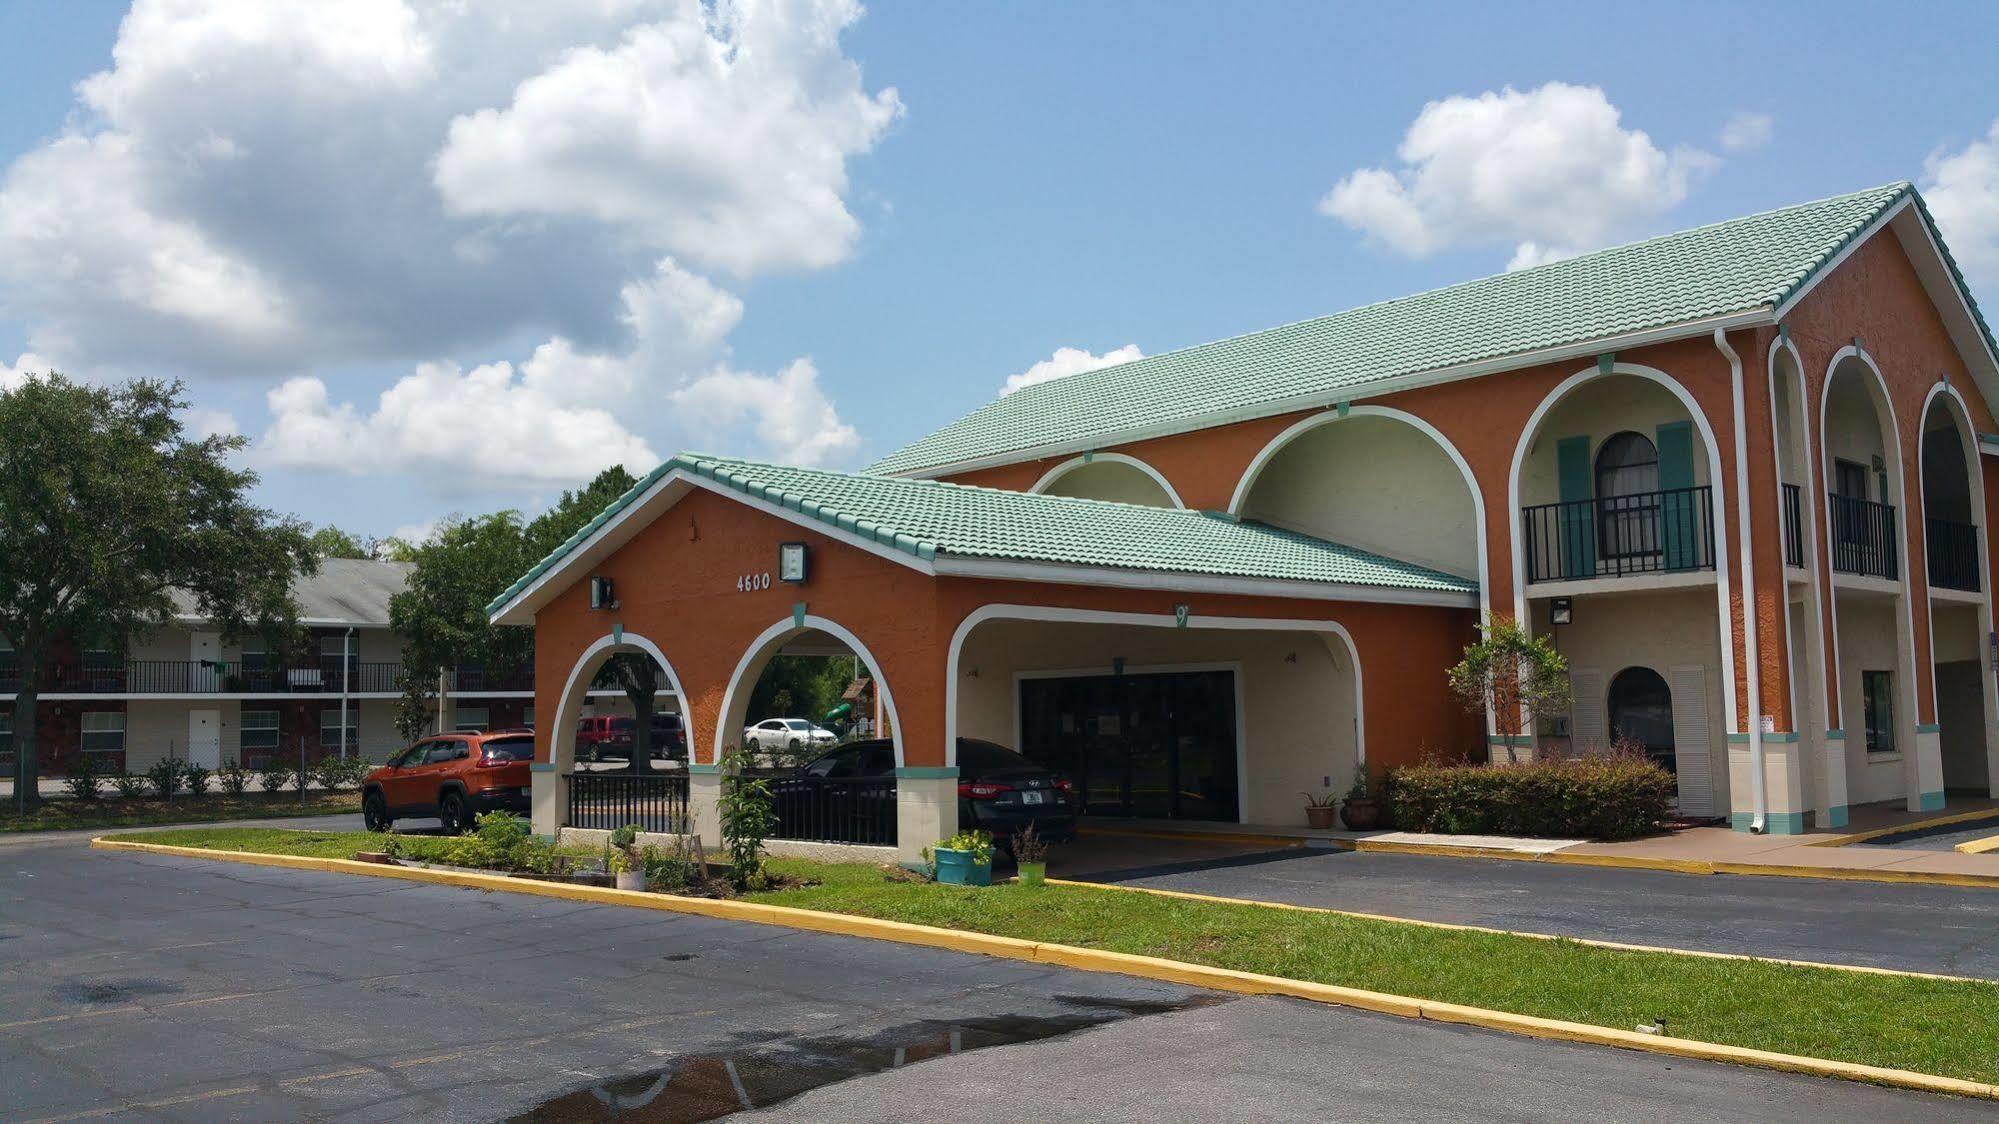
120, 811
1931, 1026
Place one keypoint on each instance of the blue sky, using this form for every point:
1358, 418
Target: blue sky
1042, 177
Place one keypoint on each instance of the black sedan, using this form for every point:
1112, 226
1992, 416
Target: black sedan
847, 794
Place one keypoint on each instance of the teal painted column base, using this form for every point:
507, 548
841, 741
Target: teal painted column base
1835, 816
1931, 802
1776, 823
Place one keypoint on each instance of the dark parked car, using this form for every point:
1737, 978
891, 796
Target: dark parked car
847, 795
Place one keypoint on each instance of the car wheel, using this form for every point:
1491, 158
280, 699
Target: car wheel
451, 809
375, 812
754, 746
795, 743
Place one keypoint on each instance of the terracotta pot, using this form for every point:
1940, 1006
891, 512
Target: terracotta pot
1362, 814
1319, 816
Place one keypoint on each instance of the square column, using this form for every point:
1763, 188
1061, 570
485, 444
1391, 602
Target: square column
926, 808
1783, 780
548, 798
1832, 779
704, 803
1927, 776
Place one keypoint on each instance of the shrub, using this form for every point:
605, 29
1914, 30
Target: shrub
748, 817
234, 778
197, 778
329, 773
505, 836
277, 776
1608, 796
82, 779
131, 786
164, 776
670, 871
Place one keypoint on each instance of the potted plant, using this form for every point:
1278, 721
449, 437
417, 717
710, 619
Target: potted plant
965, 859
1362, 811
624, 859
1030, 856
1319, 810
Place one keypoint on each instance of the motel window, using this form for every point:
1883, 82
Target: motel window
333, 650
256, 656
470, 720
6, 731
259, 730
1849, 479
1877, 696
103, 731
329, 727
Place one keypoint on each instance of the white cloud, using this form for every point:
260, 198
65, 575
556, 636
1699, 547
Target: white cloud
721, 137
1552, 169
28, 366
417, 533
1746, 132
203, 422
1962, 190
788, 412
1069, 361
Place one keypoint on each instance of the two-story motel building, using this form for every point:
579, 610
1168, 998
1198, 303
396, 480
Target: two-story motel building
1740, 474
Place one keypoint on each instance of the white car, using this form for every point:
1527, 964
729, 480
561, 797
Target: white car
786, 733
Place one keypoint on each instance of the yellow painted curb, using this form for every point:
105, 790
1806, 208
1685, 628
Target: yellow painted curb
1700, 866
1616, 946
1980, 846
1210, 837
1098, 960
1916, 825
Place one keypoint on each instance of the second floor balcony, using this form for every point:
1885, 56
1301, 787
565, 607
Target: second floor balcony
205, 677
1953, 554
1661, 532
1863, 537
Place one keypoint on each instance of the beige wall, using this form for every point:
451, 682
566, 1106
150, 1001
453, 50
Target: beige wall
1868, 640
1599, 410
1853, 428
1110, 480
1298, 717
1375, 483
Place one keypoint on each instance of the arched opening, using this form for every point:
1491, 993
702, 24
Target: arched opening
1641, 714
618, 760
1355, 479
1960, 611
1861, 462
809, 705
1221, 720
1109, 476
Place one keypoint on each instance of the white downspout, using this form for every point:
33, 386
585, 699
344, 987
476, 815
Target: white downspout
1759, 797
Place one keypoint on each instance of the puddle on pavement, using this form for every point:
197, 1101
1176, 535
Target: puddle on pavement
710, 1086
112, 991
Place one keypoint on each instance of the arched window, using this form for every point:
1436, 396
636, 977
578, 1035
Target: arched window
1627, 497
1641, 711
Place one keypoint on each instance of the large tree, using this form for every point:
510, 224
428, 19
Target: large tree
109, 512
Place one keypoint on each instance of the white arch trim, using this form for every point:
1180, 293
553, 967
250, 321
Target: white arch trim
578, 683
1967, 437
1073, 463
1891, 454
1064, 614
1297, 429
795, 625
1813, 493
1715, 480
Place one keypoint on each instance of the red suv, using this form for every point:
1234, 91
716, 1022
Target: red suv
453, 777
604, 735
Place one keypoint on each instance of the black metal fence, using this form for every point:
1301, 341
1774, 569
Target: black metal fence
1794, 526
1863, 537
1953, 553
835, 809
657, 802
1645, 533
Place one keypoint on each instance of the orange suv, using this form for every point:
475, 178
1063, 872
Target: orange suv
453, 777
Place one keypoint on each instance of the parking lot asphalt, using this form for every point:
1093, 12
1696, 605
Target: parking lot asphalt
1917, 928
169, 988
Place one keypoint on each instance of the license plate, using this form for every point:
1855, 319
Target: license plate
1033, 798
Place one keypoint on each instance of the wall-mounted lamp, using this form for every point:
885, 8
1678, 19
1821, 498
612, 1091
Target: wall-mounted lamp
791, 560
1561, 611
601, 596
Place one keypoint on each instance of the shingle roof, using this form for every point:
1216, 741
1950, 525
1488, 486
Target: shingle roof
929, 519
1729, 267
352, 591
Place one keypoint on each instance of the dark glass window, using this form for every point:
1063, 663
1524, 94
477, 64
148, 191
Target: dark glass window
1641, 710
1877, 693
1849, 480
1627, 465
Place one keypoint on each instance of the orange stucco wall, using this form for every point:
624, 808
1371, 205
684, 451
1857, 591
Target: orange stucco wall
676, 584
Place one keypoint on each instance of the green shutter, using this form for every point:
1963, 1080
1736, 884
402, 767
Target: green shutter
1679, 514
1576, 522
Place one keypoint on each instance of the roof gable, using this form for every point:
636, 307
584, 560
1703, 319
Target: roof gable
1692, 281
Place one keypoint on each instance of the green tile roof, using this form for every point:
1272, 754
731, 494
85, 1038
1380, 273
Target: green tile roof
1730, 267
929, 519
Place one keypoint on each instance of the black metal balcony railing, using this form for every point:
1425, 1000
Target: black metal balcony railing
1794, 525
200, 677
1953, 554
656, 802
1863, 537
1646, 533
472, 680
835, 809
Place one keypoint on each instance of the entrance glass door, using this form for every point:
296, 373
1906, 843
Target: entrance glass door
1147, 745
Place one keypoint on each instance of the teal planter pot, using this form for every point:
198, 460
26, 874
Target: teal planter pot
956, 868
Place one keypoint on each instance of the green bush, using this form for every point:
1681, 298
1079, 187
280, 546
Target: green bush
234, 778
197, 778
1611, 796
82, 779
278, 776
164, 776
129, 785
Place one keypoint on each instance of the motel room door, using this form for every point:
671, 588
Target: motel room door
1154, 745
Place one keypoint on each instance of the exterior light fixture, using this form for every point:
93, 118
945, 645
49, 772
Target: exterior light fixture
1561, 611
791, 557
601, 596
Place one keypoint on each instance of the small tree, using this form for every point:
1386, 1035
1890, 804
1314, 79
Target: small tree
748, 818
1509, 672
